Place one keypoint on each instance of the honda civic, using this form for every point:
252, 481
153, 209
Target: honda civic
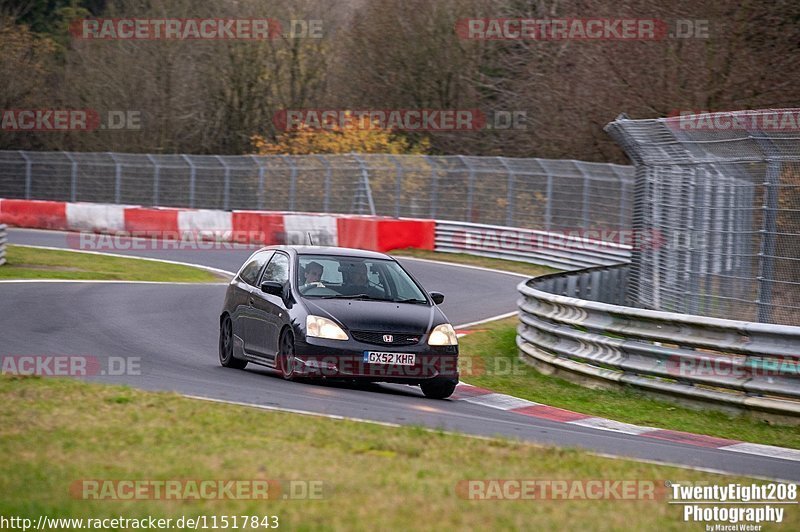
337, 313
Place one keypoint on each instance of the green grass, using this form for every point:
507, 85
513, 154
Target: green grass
474, 260
54, 432
492, 354
32, 263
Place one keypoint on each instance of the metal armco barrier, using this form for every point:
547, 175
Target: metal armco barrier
563, 251
3, 239
575, 323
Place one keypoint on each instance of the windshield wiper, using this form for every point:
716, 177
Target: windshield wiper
355, 296
410, 300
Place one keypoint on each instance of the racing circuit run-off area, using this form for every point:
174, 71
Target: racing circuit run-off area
399, 265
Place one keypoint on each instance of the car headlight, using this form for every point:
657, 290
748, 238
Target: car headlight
443, 334
320, 327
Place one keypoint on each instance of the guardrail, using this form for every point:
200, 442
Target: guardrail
561, 250
3, 238
575, 324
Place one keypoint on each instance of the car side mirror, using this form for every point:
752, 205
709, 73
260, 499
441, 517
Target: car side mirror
272, 287
437, 297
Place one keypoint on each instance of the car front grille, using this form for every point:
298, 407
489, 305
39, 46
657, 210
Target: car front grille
377, 338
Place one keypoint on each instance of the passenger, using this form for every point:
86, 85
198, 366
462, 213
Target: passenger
313, 275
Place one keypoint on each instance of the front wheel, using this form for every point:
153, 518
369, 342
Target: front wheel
286, 360
438, 389
226, 346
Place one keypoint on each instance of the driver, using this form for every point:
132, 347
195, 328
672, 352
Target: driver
357, 282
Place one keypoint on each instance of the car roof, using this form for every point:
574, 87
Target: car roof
331, 250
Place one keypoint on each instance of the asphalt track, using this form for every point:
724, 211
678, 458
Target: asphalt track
172, 329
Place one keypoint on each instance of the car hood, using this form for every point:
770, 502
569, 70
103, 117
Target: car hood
378, 316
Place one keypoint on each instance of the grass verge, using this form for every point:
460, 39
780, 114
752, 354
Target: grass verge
474, 260
54, 432
491, 360
32, 263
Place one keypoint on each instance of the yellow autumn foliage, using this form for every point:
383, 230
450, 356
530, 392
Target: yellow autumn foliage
336, 139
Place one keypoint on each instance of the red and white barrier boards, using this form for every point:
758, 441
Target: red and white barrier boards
247, 227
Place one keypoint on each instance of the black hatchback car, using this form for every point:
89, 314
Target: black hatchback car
327, 312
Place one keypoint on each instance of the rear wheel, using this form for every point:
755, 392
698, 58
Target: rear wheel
438, 389
286, 361
226, 345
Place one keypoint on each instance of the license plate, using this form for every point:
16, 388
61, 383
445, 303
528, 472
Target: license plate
393, 359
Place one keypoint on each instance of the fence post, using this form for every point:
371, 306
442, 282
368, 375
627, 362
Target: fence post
292, 181
156, 177
3, 239
434, 186
509, 192
698, 210
226, 187
326, 207
470, 186
548, 206
623, 196
73, 183
192, 177
585, 197
28, 176
769, 227
398, 184
260, 182
117, 178
366, 188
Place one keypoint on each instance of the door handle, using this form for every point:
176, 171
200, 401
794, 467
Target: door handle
252, 301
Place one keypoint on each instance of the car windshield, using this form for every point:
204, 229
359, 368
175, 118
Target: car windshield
335, 277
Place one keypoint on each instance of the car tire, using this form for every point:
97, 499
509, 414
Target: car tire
226, 357
438, 389
285, 358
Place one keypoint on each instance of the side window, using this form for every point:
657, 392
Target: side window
252, 269
278, 269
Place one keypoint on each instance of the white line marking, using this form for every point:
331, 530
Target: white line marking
136, 257
294, 411
234, 245
758, 449
611, 425
499, 401
444, 263
486, 320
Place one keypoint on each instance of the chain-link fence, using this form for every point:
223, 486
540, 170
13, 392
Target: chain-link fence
723, 192
542, 194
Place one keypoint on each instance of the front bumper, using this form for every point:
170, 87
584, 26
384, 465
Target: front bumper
316, 357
